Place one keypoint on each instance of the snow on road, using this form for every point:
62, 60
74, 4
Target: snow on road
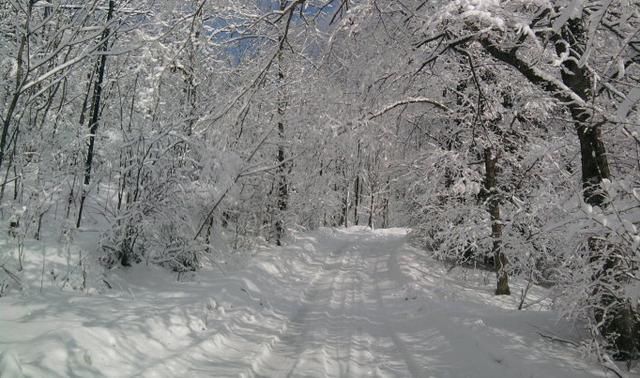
362, 318
350, 303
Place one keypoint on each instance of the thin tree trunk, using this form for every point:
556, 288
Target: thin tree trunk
14, 100
345, 208
16, 180
493, 207
385, 206
282, 189
357, 189
95, 112
209, 232
371, 209
356, 199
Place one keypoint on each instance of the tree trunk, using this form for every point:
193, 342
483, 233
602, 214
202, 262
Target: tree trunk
345, 208
16, 96
10, 165
595, 166
95, 112
282, 188
493, 207
622, 323
385, 205
356, 200
371, 209
357, 188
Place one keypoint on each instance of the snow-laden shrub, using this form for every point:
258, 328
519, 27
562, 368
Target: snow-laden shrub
596, 279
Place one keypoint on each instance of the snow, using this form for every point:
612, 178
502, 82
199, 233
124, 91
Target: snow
333, 303
629, 102
571, 11
10, 365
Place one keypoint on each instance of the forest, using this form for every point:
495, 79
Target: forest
504, 135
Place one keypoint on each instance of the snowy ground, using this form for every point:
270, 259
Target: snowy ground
350, 303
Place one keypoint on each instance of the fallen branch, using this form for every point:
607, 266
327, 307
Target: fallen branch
12, 275
109, 286
559, 339
527, 305
608, 364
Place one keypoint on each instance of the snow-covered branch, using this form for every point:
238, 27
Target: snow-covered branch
407, 101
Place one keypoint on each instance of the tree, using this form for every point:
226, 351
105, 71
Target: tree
580, 35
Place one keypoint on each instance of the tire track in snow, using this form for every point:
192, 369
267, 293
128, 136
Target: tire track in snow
325, 337
286, 352
412, 366
363, 357
338, 342
349, 333
305, 342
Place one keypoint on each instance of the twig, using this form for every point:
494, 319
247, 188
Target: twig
614, 371
527, 305
559, 339
12, 275
107, 283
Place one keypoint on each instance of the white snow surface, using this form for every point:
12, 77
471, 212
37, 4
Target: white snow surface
333, 303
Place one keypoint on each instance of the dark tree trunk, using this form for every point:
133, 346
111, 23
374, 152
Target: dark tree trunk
385, 205
356, 189
14, 100
371, 210
95, 111
356, 200
209, 232
621, 324
345, 208
283, 191
11, 165
493, 207
282, 187
595, 166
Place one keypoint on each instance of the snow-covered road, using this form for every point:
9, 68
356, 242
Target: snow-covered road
364, 316
334, 303
343, 328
